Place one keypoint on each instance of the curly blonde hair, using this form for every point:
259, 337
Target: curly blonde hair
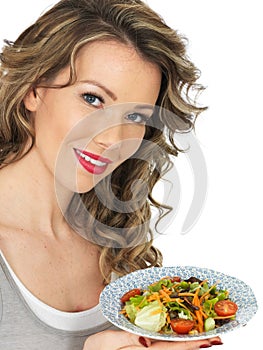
51, 44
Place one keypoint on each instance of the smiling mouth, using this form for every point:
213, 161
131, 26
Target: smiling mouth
92, 163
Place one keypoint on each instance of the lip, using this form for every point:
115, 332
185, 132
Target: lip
96, 169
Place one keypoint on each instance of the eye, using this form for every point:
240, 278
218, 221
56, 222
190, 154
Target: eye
137, 118
93, 100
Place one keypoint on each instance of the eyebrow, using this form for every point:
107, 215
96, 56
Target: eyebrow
151, 108
145, 106
104, 88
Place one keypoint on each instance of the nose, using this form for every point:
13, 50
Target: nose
110, 138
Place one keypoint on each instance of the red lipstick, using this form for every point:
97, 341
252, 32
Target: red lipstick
93, 163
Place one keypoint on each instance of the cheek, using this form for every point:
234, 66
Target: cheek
49, 137
132, 139
133, 131
53, 122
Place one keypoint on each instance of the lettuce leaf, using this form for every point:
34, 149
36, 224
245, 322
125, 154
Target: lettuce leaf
139, 300
152, 317
155, 287
131, 311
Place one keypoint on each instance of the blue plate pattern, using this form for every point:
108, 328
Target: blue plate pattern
239, 291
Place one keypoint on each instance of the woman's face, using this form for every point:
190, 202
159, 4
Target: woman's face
86, 130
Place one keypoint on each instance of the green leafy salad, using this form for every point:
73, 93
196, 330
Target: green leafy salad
173, 305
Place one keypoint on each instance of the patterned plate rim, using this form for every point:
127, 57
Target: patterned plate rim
240, 292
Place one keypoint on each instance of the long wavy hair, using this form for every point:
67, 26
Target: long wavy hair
122, 232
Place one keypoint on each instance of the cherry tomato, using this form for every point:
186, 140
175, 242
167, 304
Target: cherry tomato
131, 293
225, 308
182, 326
175, 279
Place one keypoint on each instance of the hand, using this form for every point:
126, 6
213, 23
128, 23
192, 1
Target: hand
120, 340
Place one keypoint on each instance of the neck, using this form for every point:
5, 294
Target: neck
29, 197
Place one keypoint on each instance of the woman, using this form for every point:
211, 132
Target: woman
78, 126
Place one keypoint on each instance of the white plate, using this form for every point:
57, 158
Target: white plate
239, 291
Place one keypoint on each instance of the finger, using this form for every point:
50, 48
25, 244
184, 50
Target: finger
181, 345
215, 341
131, 347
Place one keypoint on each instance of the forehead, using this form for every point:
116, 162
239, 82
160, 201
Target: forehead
108, 52
121, 68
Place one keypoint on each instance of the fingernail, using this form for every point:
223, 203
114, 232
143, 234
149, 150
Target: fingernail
216, 342
143, 341
205, 346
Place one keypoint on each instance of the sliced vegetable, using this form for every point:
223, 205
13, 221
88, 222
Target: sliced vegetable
225, 308
130, 294
182, 326
175, 279
209, 324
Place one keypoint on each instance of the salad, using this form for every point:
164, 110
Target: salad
173, 305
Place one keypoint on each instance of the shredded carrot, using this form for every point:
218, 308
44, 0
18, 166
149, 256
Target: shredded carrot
198, 313
164, 295
223, 317
185, 294
196, 299
201, 283
203, 313
207, 292
156, 312
167, 290
153, 296
186, 308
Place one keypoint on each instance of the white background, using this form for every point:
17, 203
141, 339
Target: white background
225, 43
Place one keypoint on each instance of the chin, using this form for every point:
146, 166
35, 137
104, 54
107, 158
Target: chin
85, 186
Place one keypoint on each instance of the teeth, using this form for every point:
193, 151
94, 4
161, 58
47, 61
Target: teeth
91, 160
